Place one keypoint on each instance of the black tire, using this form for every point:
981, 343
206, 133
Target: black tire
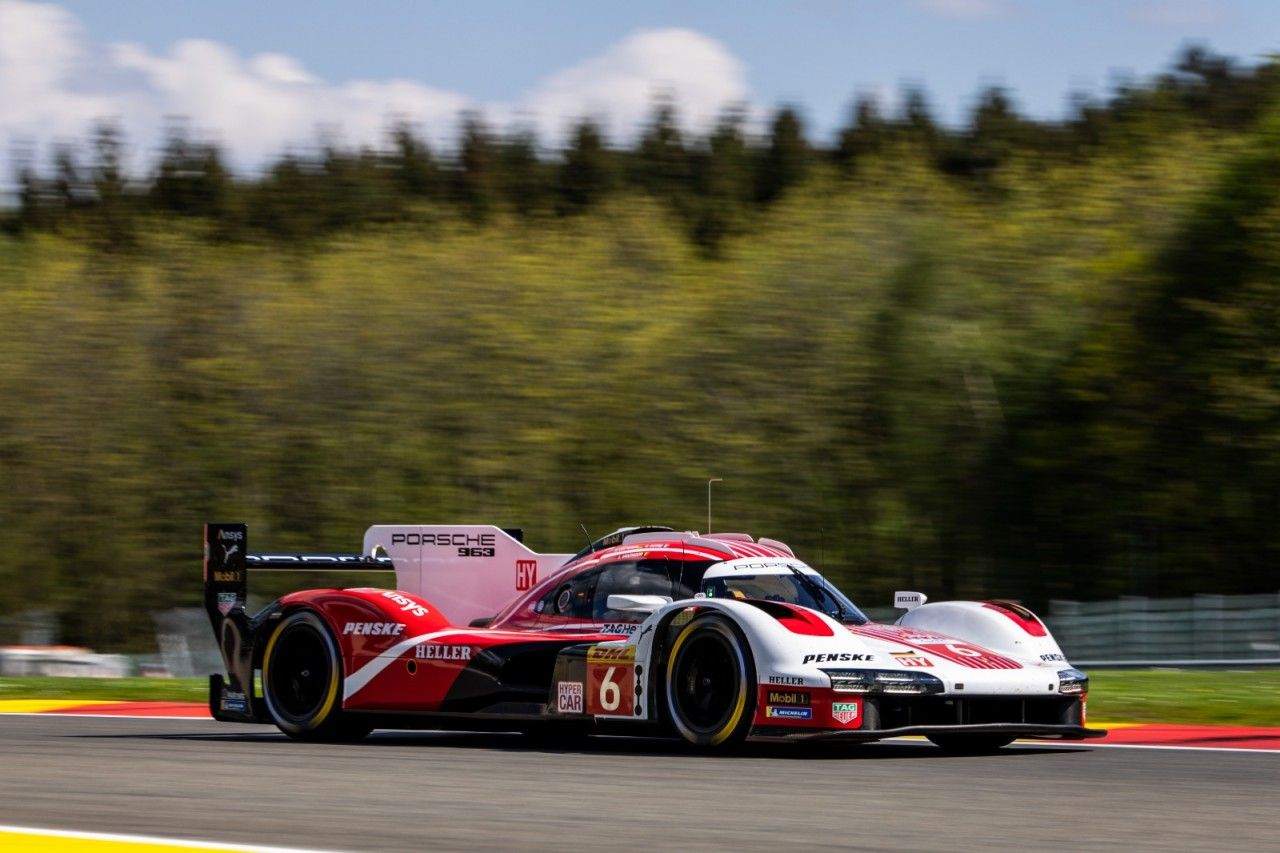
302, 681
710, 683
971, 744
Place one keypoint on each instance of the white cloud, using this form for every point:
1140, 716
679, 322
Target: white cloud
40, 52
54, 83
621, 83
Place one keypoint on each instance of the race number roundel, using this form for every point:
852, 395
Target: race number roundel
611, 681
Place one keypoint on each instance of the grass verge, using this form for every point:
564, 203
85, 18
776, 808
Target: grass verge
118, 689
1196, 697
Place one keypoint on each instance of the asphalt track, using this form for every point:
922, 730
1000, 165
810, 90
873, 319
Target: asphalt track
199, 779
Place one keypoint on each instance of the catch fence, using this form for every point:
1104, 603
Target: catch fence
1204, 630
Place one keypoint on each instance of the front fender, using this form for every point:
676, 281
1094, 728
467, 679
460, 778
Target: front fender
780, 637
1003, 627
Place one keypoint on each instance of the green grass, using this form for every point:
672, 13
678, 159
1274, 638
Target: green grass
120, 689
1249, 698
1205, 697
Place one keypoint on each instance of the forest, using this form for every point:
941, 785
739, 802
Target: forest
1017, 358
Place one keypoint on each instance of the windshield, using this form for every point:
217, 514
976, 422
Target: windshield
806, 590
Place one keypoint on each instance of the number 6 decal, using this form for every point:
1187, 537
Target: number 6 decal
610, 693
611, 681
963, 651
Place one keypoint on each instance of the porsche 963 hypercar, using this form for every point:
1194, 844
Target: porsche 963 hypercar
715, 638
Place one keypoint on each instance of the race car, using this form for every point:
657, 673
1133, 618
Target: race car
715, 638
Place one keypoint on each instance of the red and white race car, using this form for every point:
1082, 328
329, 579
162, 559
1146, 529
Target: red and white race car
716, 638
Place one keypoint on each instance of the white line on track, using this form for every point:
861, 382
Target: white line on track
38, 832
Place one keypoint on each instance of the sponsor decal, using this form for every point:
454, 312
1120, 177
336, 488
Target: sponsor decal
833, 657
615, 654
611, 687
228, 550
438, 651
771, 565
226, 601
789, 697
627, 628
526, 574
227, 575
234, 701
407, 605
231, 535
845, 713
774, 712
789, 680
468, 544
569, 697
911, 659
374, 629
956, 651
1053, 657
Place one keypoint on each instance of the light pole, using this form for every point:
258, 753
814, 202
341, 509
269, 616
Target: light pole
709, 482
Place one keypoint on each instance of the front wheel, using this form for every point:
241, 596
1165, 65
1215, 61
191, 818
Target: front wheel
971, 744
710, 684
302, 681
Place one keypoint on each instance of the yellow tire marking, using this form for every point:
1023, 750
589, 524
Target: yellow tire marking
736, 716
323, 713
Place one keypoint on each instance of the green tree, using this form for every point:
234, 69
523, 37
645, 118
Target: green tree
864, 135
476, 178
785, 161
586, 176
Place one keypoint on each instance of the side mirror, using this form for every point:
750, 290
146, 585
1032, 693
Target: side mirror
637, 603
909, 600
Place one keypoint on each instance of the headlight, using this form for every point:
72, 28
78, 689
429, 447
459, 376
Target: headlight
1072, 681
882, 681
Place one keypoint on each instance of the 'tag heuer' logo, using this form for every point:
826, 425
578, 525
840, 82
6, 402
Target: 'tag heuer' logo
845, 713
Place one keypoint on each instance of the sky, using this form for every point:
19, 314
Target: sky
263, 77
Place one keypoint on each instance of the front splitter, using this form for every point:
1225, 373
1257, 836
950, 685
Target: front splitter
1017, 730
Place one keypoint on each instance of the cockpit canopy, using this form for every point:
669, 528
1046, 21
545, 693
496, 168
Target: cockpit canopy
790, 581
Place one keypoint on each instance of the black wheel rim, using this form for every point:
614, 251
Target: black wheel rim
706, 682
299, 675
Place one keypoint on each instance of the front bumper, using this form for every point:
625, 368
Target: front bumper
1021, 730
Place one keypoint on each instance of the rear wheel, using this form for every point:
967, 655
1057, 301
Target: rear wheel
302, 681
971, 744
710, 683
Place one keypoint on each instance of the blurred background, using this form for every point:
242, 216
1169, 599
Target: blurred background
948, 345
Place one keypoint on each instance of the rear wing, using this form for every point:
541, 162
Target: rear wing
468, 571
227, 565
